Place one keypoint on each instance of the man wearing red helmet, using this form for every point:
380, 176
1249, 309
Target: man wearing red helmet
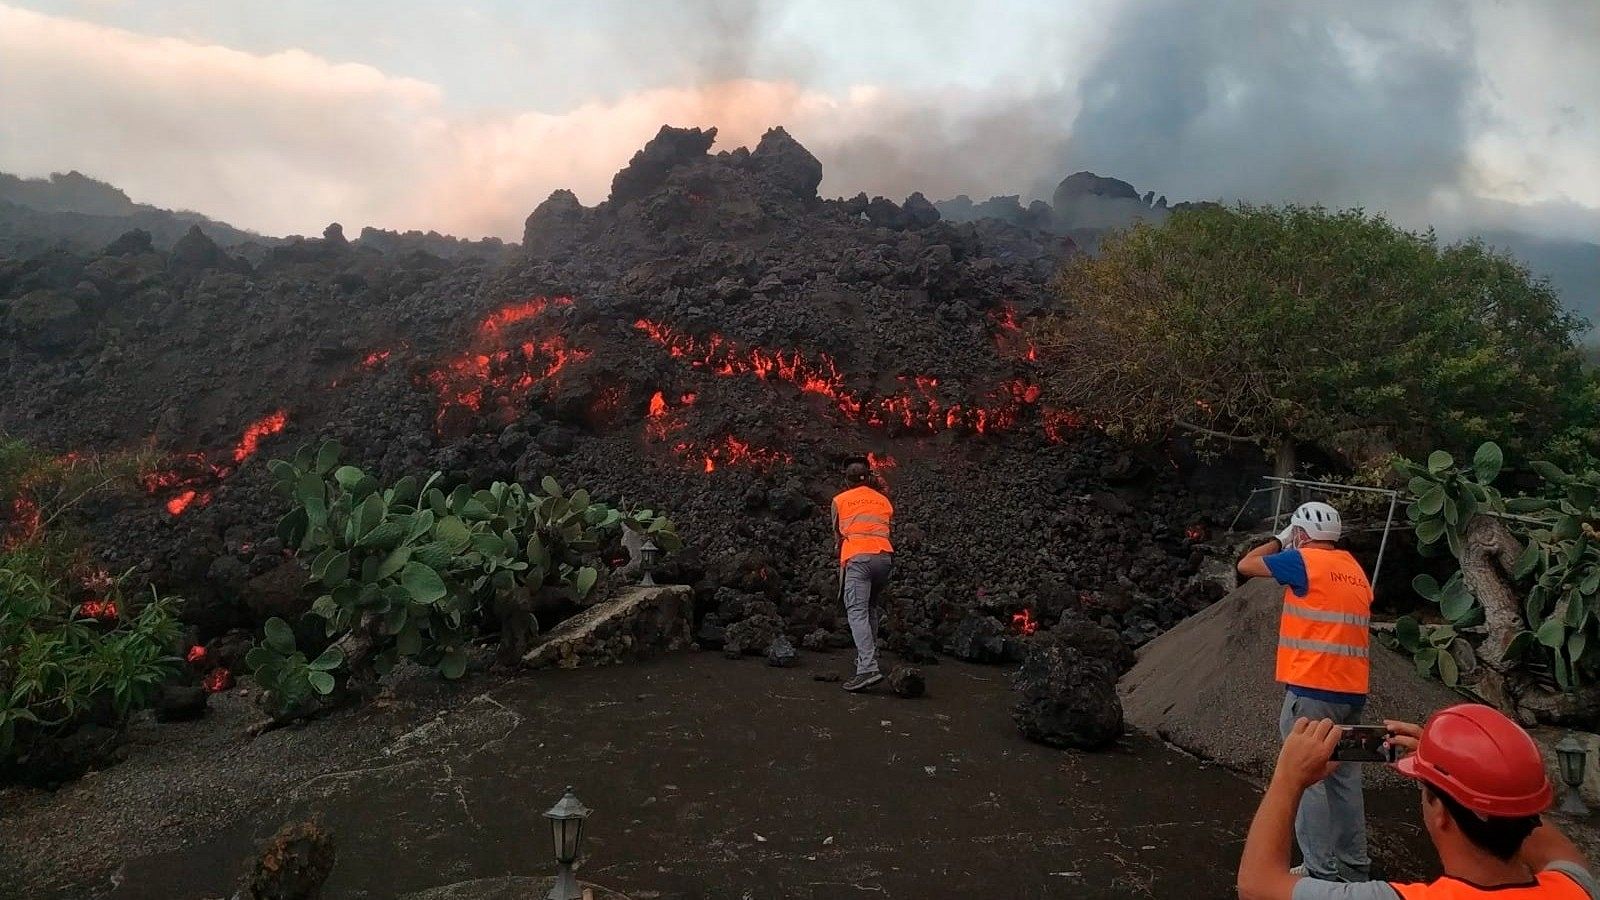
1483, 789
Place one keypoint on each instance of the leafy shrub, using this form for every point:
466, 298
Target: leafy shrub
73, 646
292, 682
410, 571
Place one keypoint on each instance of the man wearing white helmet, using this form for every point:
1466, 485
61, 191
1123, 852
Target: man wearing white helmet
1322, 663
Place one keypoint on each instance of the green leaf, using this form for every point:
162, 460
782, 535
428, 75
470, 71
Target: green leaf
1581, 495
321, 682
1456, 605
453, 532
259, 658
409, 642
1408, 633
385, 536
1527, 562
330, 659
585, 581
1487, 462
394, 562
436, 555
309, 488
292, 528
279, 636
1548, 472
1454, 539
1427, 586
328, 456
1449, 671
1568, 528
1576, 643
1520, 645
1430, 530
453, 664
1552, 633
422, 583
348, 476
1425, 659
325, 607
550, 486
1438, 461
1432, 502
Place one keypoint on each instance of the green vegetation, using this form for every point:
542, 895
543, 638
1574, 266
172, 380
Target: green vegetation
1296, 326
410, 571
74, 647
1529, 566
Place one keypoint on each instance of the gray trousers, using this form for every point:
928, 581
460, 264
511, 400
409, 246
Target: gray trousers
862, 578
1331, 824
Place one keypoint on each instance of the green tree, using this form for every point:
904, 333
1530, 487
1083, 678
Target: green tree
1291, 326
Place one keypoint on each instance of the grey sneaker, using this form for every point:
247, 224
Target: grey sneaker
863, 681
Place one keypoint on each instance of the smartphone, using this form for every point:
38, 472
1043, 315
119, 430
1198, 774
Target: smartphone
1364, 743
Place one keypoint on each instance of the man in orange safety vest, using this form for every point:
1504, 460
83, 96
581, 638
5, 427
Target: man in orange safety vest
1323, 666
1483, 789
862, 517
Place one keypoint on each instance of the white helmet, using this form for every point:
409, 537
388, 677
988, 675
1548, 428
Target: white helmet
1319, 521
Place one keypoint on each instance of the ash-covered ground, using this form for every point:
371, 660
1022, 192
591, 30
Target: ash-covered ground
713, 341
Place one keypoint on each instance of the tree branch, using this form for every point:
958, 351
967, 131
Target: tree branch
1236, 438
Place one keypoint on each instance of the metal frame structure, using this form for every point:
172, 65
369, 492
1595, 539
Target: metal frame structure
1280, 484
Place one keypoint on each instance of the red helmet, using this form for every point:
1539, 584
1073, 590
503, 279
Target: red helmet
1482, 760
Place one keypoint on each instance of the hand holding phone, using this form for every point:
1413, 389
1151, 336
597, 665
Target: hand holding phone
1365, 743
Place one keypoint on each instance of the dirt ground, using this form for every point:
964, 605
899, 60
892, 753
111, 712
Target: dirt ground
708, 778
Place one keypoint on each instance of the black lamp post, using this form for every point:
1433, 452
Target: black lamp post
1571, 758
566, 828
649, 555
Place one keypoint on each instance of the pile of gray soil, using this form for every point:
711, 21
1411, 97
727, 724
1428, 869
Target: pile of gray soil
1207, 685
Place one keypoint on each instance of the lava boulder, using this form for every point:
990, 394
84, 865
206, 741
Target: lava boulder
752, 635
781, 653
908, 682
979, 639
1068, 699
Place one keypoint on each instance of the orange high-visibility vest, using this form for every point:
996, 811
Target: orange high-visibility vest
1322, 637
864, 516
1550, 885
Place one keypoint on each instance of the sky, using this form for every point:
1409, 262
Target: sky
284, 115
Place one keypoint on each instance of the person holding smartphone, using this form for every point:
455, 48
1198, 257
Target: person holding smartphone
1322, 663
1483, 787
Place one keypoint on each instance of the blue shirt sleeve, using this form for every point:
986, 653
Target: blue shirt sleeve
1289, 568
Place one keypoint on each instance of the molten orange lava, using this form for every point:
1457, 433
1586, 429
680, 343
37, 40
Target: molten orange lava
1010, 339
507, 374
730, 451
1023, 622
217, 680
192, 476
373, 359
916, 407
881, 464
255, 431
23, 523
1058, 422
103, 610
1196, 532
196, 655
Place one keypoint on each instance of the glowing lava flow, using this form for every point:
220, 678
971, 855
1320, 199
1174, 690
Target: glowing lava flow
660, 422
1009, 338
506, 374
192, 477
1024, 622
917, 406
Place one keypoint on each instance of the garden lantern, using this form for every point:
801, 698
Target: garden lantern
1571, 758
566, 830
649, 555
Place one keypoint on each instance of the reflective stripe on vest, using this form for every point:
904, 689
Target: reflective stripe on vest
1550, 885
865, 517
1322, 636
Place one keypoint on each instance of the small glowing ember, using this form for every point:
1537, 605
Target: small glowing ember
1010, 339
255, 431
1196, 532
1024, 623
217, 680
196, 655
24, 522
374, 359
1059, 422
104, 610
730, 451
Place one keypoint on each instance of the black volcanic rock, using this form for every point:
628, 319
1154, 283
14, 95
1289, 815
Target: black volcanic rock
649, 167
1088, 184
195, 251
1068, 700
783, 161
919, 213
132, 243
